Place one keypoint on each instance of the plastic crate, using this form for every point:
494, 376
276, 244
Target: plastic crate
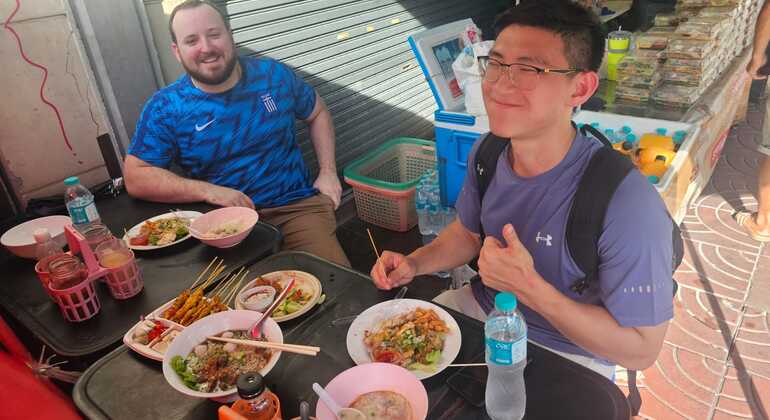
384, 180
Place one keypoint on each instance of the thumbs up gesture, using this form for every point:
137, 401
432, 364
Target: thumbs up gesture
508, 267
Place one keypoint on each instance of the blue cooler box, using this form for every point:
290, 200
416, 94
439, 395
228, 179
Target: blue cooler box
455, 134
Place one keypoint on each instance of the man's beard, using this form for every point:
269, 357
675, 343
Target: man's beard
216, 78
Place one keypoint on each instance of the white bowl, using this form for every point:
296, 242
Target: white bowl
19, 239
215, 324
261, 304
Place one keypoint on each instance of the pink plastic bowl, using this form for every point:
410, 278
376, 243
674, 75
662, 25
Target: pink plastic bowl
351, 383
216, 218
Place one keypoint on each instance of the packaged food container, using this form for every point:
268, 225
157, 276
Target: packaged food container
623, 93
642, 66
673, 95
667, 31
684, 79
640, 81
727, 12
651, 42
666, 19
658, 55
685, 4
723, 2
699, 30
689, 49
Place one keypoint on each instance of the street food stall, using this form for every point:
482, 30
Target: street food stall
683, 79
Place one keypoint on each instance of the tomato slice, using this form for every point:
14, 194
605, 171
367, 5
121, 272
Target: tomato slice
386, 356
139, 240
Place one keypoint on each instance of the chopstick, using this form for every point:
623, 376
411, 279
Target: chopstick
371, 238
466, 364
290, 348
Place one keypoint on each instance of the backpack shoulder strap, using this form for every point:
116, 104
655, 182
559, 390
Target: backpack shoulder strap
485, 164
605, 171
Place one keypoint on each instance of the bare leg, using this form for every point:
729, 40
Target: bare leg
763, 195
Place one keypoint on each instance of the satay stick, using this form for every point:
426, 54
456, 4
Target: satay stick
203, 273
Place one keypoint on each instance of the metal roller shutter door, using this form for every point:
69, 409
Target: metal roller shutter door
354, 53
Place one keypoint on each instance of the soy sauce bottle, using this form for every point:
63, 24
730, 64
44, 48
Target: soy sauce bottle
257, 402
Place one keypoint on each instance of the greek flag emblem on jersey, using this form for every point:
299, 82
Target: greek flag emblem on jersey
269, 103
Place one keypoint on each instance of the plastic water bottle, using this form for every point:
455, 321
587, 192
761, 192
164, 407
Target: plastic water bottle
80, 204
611, 136
421, 205
434, 219
506, 354
449, 215
46, 250
46, 247
626, 129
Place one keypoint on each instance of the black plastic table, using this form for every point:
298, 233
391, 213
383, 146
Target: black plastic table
125, 385
166, 272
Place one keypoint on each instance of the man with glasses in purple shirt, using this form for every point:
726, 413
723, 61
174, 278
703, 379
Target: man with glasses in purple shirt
544, 64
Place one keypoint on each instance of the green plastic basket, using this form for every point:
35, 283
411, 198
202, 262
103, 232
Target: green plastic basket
383, 181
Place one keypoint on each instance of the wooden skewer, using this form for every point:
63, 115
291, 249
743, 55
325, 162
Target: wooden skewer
203, 273
236, 289
221, 286
290, 348
213, 276
224, 286
371, 238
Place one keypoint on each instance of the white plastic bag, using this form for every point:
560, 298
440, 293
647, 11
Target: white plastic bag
468, 73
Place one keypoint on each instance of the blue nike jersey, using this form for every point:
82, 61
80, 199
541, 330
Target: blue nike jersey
243, 138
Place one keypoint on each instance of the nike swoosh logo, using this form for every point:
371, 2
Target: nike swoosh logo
201, 127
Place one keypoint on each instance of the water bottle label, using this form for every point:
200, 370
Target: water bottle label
83, 214
505, 353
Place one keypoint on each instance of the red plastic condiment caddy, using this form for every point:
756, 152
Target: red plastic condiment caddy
79, 302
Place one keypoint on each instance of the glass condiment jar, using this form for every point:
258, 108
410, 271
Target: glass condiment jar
66, 271
96, 234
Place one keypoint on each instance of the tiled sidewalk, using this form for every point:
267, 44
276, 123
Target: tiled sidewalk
715, 363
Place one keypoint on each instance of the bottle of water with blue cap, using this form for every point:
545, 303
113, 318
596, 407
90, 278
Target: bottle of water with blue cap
80, 204
505, 334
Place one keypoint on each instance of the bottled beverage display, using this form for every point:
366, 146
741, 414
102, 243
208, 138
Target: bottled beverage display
432, 217
505, 336
80, 204
651, 151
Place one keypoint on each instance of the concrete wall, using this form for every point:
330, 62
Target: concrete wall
32, 147
158, 12
121, 59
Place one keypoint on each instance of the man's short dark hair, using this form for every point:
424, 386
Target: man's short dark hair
192, 4
578, 27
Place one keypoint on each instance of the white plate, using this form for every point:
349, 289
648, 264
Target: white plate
305, 281
144, 350
157, 314
371, 318
135, 230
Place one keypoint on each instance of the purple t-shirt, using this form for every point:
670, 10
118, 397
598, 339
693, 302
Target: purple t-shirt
634, 248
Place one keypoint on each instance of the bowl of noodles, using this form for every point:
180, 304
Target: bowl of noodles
225, 227
382, 391
201, 367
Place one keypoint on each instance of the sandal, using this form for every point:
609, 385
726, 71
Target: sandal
747, 221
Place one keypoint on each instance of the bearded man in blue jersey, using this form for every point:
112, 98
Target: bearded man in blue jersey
229, 123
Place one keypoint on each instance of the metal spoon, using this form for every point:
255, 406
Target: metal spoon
348, 319
342, 413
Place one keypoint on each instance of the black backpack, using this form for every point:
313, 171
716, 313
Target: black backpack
606, 170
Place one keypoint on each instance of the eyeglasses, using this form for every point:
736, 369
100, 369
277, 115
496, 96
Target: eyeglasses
523, 76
